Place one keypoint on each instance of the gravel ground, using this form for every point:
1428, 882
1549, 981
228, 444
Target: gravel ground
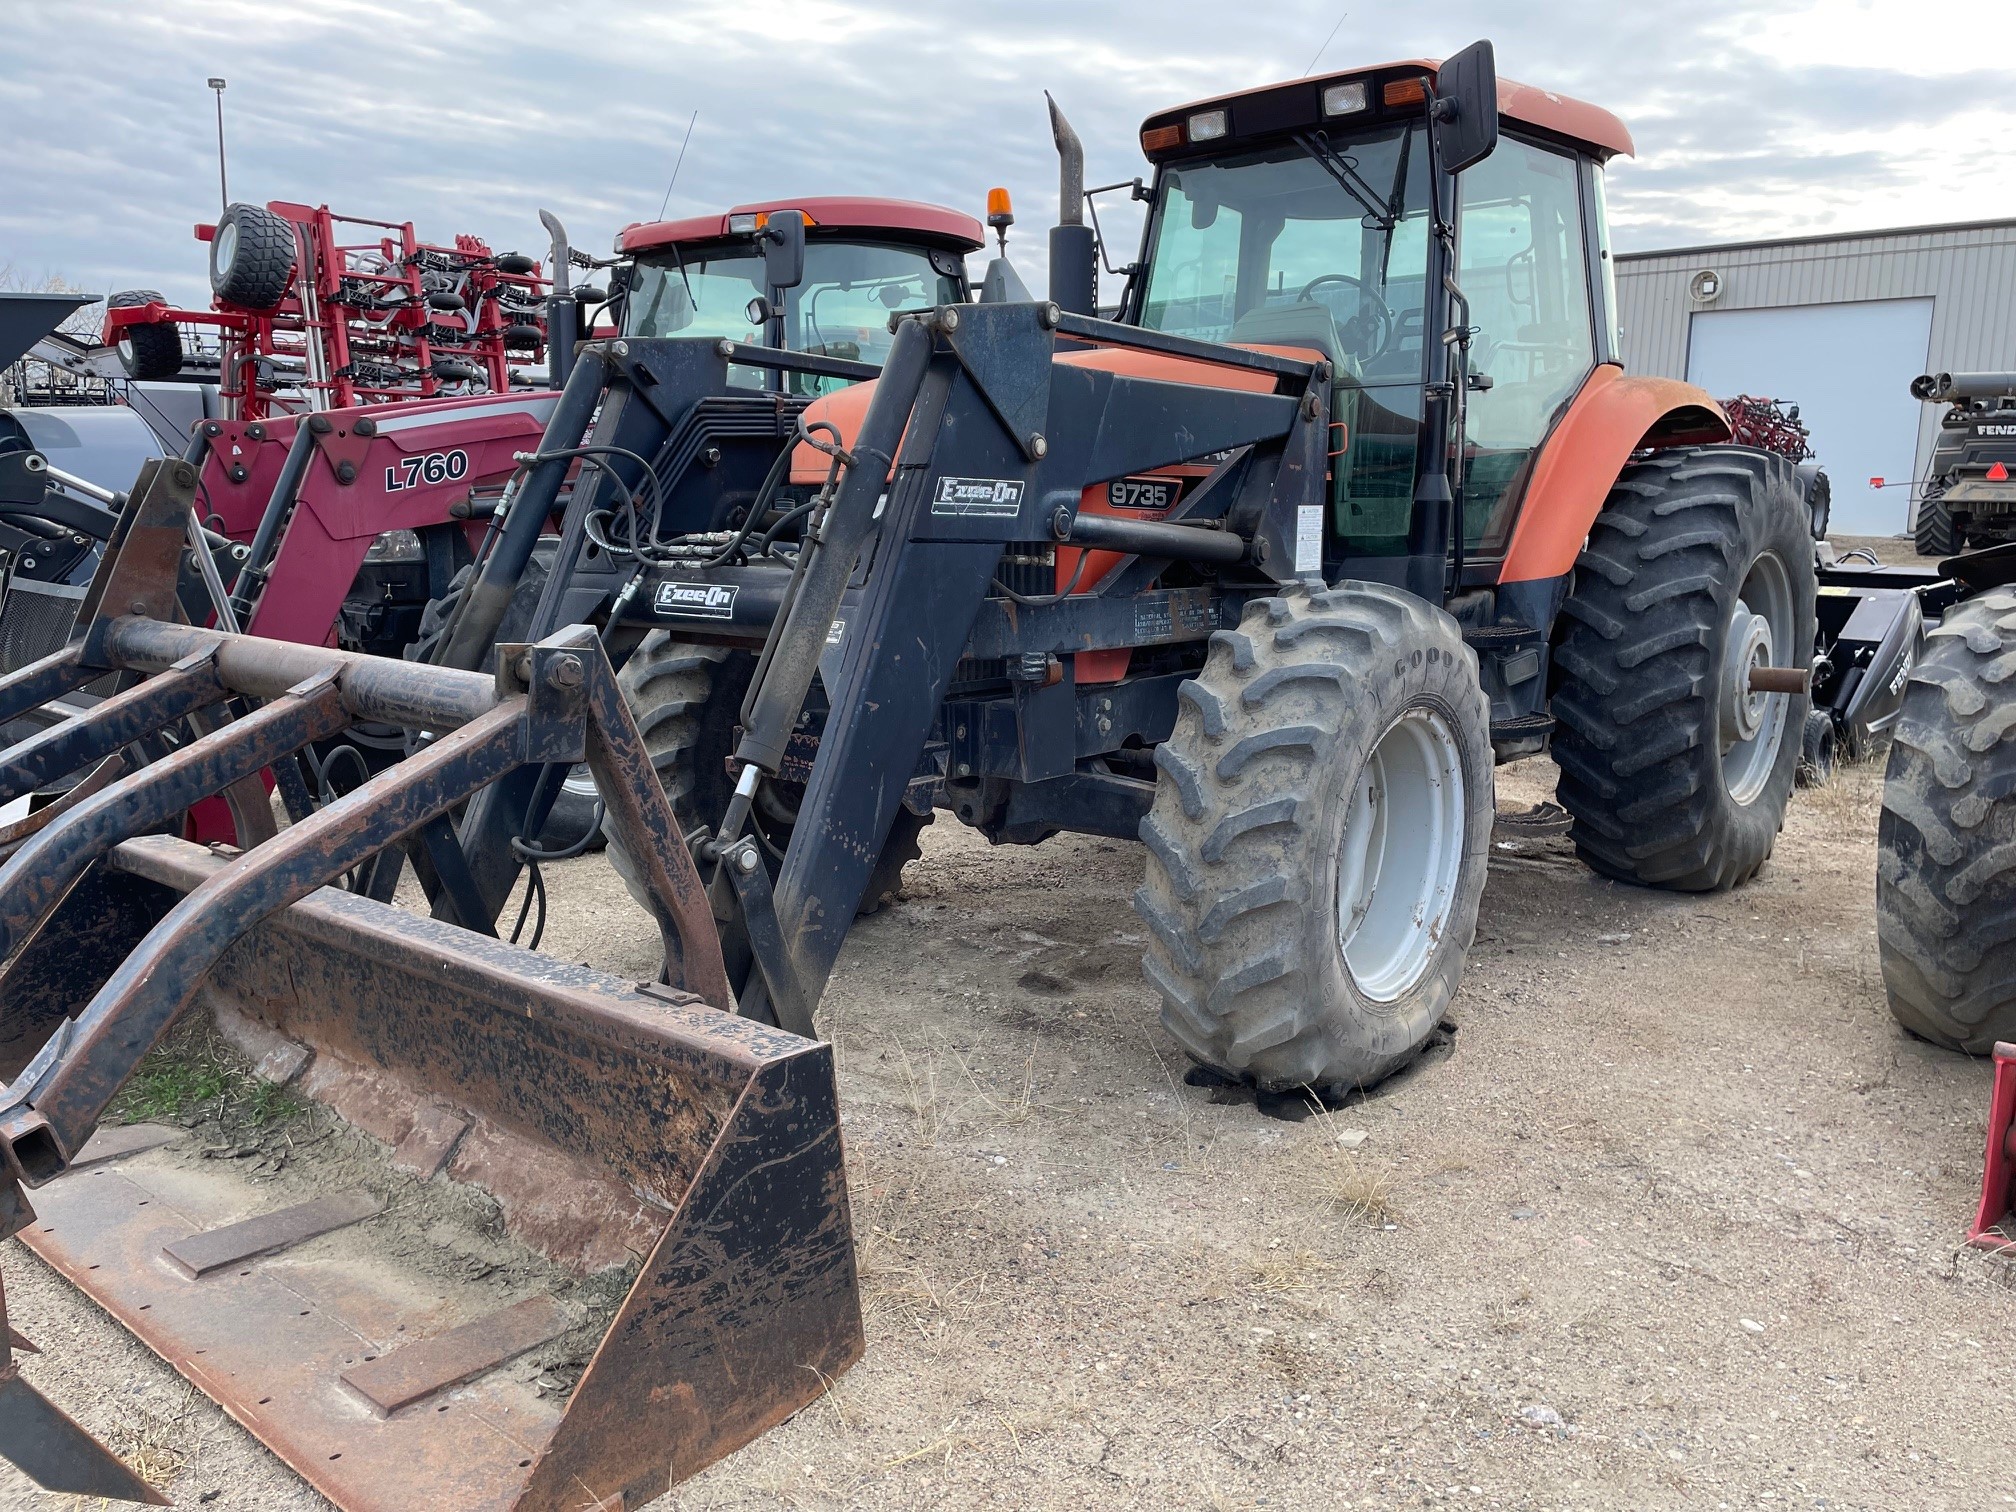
1670, 1218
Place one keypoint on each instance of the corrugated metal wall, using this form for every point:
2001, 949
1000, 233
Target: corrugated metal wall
1969, 271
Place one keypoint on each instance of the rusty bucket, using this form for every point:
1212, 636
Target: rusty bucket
500, 1232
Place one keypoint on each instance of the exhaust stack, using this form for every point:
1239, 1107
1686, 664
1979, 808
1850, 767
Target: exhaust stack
1074, 251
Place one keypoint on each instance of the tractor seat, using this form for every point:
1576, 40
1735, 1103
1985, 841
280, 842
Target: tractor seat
1307, 324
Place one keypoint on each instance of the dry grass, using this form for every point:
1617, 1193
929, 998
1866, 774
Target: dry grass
1360, 1193
1286, 1273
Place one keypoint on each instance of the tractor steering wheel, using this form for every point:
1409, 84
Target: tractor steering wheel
1375, 317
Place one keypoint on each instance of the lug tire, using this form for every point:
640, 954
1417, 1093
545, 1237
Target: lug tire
258, 269
148, 353
1946, 840
684, 698
1819, 750
1640, 656
1934, 530
1273, 743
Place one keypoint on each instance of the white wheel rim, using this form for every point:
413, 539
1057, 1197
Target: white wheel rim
1400, 855
1751, 726
224, 247
580, 782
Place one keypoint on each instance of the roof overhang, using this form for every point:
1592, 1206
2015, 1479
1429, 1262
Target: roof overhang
1276, 110
825, 215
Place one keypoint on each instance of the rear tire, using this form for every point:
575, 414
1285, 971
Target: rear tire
1325, 718
1934, 531
1699, 566
684, 698
148, 353
252, 255
1946, 841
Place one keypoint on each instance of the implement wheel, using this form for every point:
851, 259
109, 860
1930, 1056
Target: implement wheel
252, 255
146, 352
1934, 531
1946, 841
685, 699
1699, 568
1318, 839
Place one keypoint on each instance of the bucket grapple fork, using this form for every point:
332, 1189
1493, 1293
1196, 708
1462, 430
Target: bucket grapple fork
611, 1122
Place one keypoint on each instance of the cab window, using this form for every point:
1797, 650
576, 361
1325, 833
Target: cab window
1522, 266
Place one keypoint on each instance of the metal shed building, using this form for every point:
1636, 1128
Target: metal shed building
1839, 325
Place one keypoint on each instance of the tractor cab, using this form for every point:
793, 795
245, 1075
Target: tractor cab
1329, 214
820, 275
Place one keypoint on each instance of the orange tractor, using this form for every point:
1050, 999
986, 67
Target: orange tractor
1352, 502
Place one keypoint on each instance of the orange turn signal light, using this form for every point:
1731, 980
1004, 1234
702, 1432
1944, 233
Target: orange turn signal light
1161, 138
1404, 92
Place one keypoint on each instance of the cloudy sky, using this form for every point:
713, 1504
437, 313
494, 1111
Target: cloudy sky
1752, 119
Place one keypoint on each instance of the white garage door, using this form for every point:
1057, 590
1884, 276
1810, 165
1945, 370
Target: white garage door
1847, 367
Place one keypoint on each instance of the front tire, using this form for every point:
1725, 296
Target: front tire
1318, 840
1699, 567
684, 697
1946, 841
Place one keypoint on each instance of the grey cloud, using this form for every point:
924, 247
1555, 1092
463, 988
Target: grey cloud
468, 117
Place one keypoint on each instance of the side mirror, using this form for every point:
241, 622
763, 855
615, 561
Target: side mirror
784, 249
1466, 107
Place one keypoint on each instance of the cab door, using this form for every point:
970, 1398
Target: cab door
1522, 264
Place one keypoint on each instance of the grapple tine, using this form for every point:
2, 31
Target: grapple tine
151, 987
108, 771
56, 1454
42, 682
47, 866
48, 1447
119, 720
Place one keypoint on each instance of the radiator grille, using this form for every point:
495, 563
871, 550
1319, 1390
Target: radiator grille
35, 621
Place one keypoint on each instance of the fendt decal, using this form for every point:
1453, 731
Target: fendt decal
432, 468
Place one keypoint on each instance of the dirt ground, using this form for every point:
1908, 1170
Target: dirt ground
1670, 1218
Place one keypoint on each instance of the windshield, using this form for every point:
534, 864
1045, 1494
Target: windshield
841, 309
1288, 246
1272, 246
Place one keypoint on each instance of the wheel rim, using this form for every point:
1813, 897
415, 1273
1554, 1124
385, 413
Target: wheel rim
224, 247
1751, 726
1400, 855
579, 782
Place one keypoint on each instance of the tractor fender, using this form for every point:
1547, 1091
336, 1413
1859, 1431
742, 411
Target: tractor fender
1610, 417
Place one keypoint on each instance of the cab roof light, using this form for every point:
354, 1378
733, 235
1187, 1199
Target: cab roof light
1161, 138
1208, 126
1000, 209
756, 220
1404, 92
1344, 99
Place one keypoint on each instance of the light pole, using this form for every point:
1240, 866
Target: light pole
223, 186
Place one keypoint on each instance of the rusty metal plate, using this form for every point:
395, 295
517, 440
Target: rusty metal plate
271, 1339
421, 1369
213, 1249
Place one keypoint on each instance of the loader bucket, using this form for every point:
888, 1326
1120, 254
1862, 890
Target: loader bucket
488, 1170
1994, 1225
